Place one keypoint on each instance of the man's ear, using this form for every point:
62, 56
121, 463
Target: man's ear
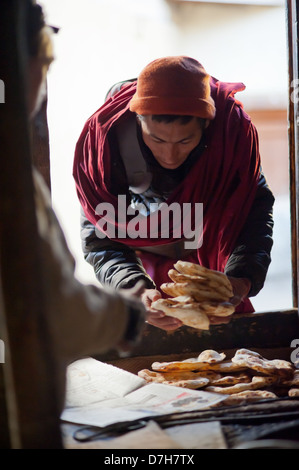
207, 123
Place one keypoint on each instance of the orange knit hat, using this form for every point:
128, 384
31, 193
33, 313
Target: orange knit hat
174, 85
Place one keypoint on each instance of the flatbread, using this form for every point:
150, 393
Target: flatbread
175, 375
217, 309
186, 312
240, 377
192, 269
256, 383
255, 361
195, 294
283, 368
208, 307
247, 377
242, 351
294, 381
199, 294
192, 380
202, 282
247, 396
211, 356
193, 364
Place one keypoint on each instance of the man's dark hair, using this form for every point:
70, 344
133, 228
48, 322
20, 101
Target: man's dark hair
35, 22
167, 118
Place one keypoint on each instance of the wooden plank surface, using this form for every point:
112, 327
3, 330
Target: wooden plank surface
259, 330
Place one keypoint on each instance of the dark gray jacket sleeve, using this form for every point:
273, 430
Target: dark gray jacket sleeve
252, 254
115, 264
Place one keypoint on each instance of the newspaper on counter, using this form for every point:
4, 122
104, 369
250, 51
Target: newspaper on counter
99, 394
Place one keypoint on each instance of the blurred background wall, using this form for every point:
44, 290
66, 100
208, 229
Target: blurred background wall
104, 41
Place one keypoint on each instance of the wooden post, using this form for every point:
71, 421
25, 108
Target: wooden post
29, 368
293, 119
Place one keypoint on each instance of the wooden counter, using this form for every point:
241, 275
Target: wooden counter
269, 330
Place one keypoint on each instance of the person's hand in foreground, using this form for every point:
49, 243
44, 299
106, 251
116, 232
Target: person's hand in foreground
156, 317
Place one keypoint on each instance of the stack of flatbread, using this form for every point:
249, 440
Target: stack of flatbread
247, 377
195, 294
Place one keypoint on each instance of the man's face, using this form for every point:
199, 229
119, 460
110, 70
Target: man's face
171, 143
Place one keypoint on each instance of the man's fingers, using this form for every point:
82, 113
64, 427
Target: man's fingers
150, 295
165, 323
214, 320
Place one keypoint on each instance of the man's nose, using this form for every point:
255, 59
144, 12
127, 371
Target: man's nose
171, 151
